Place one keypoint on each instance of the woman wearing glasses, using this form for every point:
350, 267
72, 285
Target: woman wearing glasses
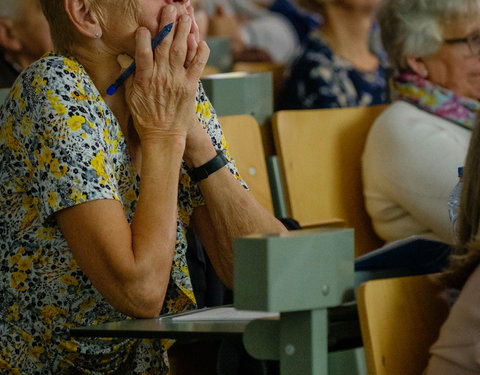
415, 147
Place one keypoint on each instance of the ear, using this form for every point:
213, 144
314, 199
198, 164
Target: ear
418, 66
8, 39
82, 17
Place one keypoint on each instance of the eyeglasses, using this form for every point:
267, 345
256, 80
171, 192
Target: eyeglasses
472, 40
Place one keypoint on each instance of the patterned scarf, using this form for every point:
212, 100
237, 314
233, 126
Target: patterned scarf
435, 99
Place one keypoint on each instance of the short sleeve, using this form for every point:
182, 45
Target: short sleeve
69, 146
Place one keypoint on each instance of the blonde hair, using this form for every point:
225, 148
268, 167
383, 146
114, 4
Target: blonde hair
414, 27
467, 252
61, 28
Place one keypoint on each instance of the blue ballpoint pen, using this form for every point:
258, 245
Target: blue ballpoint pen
155, 42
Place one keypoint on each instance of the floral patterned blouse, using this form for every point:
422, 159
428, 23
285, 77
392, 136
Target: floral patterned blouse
320, 79
60, 145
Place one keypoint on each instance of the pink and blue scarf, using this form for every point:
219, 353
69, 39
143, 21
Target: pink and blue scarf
435, 99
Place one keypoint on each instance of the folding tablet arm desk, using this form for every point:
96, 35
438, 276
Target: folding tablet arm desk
298, 274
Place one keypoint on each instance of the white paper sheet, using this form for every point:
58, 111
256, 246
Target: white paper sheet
223, 313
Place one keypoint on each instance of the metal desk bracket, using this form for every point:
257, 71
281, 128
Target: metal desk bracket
299, 274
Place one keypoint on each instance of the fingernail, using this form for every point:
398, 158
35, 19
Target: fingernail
170, 8
185, 18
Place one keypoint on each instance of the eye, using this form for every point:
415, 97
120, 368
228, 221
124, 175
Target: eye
475, 38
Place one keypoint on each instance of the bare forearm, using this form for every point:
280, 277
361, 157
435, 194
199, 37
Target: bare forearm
232, 212
154, 225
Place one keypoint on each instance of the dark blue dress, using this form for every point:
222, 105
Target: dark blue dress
320, 79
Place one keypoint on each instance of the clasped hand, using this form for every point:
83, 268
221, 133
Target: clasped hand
161, 93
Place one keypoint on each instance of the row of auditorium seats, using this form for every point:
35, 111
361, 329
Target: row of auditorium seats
319, 155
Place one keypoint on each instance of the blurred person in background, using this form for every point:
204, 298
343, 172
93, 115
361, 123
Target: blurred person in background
269, 32
24, 37
342, 64
416, 145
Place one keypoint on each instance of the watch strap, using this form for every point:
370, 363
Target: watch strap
200, 173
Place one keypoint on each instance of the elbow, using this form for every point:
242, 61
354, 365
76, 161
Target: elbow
150, 308
144, 302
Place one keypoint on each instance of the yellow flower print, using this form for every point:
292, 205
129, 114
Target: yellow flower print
38, 83
207, 111
70, 346
47, 336
14, 259
87, 304
36, 352
71, 65
179, 303
52, 199
112, 142
50, 312
199, 108
188, 294
98, 163
15, 92
69, 280
131, 195
185, 180
77, 196
76, 122
26, 125
45, 157
72, 264
24, 264
25, 336
13, 314
56, 170
46, 233
31, 205
79, 94
60, 109
10, 140
30, 168
184, 217
225, 146
55, 103
18, 278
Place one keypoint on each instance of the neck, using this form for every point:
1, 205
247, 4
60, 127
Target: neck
347, 30
103, 69
18, 61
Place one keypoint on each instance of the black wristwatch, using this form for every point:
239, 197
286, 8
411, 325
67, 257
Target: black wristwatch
200, 173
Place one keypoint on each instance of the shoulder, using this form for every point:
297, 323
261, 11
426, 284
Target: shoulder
317, 47
405, 134
58, 76
59, 87
404, 119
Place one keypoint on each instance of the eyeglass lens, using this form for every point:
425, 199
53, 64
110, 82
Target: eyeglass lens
474, 43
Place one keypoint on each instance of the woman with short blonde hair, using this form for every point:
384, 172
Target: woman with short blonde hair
98, 189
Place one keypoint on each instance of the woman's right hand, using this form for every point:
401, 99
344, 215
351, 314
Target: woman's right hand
161, 93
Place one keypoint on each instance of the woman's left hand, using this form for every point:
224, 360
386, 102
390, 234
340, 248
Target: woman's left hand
193, 38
